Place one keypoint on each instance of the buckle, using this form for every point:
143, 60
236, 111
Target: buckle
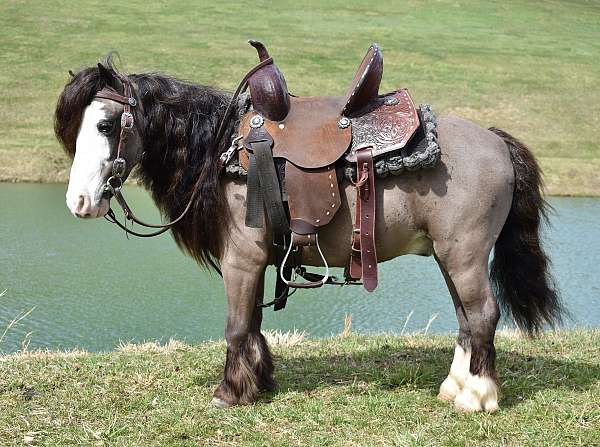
126, 120
118, 167
226, 156
113, 184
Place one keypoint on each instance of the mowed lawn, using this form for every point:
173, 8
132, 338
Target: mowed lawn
531, 68
342, 391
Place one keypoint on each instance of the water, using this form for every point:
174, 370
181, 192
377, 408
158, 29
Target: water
90, 287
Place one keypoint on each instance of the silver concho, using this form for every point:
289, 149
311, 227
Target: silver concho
391, 101
344, 122
257, 121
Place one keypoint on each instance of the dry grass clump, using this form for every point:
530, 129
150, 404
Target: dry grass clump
290, 338
154, 347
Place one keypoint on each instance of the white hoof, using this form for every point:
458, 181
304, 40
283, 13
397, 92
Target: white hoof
467, 402
459, 371
479, 393
491, 406
449, 389
219, 403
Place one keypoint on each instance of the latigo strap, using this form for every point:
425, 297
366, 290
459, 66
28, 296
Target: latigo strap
363, 258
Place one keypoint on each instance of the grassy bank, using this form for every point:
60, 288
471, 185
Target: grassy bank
530, 68
354, 390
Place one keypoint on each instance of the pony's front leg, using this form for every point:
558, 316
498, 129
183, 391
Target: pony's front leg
248, 365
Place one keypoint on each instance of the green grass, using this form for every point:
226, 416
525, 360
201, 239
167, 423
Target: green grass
531, 68
346, 391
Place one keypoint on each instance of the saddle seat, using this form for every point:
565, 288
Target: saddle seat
309, 136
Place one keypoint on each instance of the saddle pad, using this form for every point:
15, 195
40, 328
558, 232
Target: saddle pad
309, 136
387, 125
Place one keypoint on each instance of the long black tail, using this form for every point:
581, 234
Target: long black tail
520, 269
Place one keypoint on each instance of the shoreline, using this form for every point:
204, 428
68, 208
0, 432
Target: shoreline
547, 192
562, 177
280, 339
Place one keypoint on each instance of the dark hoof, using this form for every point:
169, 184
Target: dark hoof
220, 403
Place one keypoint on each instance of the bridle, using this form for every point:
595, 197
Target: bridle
114, 183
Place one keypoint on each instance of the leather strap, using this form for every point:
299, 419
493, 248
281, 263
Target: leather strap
281, 288
240, 89
113, 95
270, 189
264, 192
254, 199
363, 258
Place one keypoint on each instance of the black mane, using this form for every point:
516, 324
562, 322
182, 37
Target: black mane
179, 124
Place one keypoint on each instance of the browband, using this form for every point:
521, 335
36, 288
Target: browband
110, 93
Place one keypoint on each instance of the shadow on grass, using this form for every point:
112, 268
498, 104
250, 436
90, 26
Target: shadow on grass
393, 369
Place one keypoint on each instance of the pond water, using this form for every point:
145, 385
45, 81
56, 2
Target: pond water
88, 286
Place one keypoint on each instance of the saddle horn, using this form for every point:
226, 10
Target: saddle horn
263, 54
268, 89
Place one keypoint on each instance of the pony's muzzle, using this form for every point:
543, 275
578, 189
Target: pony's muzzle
85, 209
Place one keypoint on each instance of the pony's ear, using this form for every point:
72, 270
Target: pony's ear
109, 78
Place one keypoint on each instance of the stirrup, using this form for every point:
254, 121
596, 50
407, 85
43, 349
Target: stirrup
309, 284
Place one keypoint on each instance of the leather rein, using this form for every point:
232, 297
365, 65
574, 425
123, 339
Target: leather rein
114, 183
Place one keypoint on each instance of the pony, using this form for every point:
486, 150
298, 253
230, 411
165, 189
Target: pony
484, 194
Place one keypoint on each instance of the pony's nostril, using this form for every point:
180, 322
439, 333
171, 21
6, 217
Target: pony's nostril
80, 205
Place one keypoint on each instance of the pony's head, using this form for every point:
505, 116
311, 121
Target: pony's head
89, 128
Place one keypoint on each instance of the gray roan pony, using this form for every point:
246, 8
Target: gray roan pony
484, 193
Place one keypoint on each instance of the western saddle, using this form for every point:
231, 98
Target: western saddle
290, 147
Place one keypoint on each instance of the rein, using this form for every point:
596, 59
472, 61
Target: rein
114, 183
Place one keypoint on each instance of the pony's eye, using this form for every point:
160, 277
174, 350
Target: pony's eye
105, 127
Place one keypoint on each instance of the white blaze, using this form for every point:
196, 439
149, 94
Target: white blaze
92, 155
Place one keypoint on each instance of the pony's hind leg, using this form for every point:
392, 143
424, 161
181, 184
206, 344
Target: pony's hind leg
248, 365
468, 271
459, 370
